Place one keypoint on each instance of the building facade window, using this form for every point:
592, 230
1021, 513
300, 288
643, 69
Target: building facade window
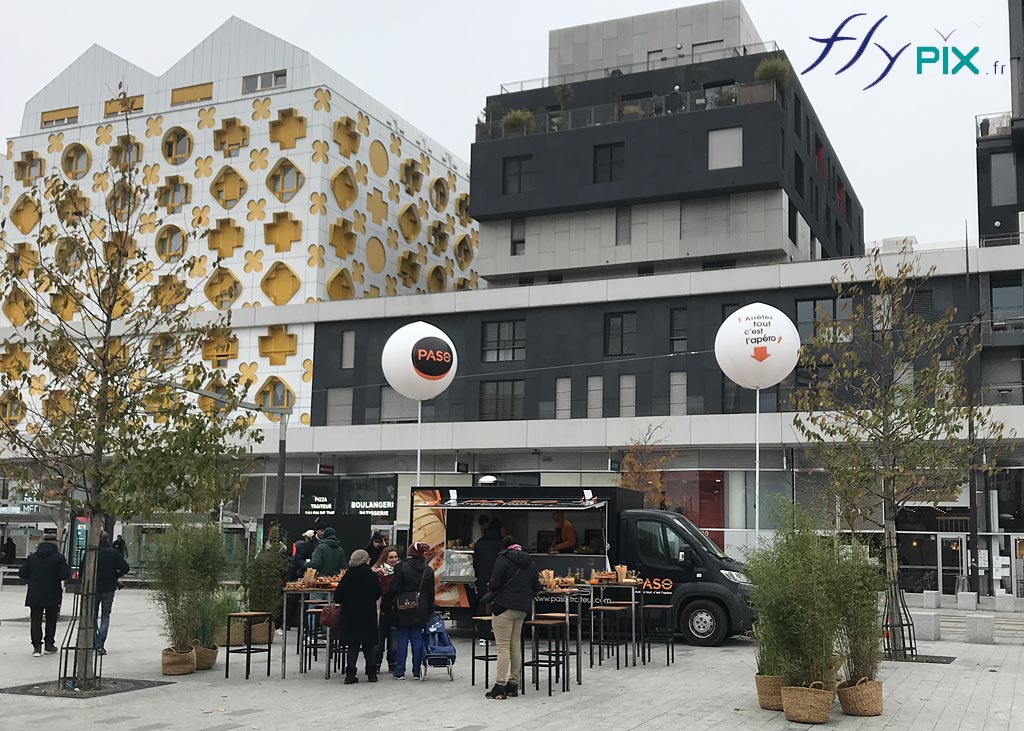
1007, 300
348, 349
623, 226
610, 162
627, 395
620, 333
1004, 179
339, 407
595, 397
814, 315
792, 221
396, 408
517, 174
518, 234
677, 330
725, 148
262, 82
677, 393
563, 398
502, 400
504, 341
798, 174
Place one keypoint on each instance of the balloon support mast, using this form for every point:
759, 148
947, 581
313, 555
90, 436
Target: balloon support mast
757, 465
419, 438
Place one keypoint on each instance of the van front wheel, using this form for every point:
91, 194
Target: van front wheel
703, 623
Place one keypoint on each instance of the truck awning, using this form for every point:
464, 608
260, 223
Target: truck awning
513, 504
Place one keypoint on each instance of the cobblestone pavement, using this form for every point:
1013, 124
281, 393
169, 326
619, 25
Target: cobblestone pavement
707, 688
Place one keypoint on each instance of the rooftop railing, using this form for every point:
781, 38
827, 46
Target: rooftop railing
993, 125
520, 123
671, 58
1001, 240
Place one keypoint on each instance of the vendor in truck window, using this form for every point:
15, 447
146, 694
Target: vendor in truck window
565, 534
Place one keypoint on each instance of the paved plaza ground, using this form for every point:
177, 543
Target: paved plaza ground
707, 688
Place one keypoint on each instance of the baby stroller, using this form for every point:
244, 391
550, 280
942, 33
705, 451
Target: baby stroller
439, 652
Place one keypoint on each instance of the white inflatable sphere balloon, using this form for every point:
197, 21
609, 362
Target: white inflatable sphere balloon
757, 346
419, 361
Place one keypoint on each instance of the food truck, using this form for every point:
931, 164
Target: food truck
675, 561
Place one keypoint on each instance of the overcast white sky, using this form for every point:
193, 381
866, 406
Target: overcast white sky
907, 145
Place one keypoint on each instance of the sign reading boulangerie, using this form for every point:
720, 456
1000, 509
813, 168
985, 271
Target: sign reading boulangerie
375, 496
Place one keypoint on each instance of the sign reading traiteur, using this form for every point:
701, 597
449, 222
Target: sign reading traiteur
757, 346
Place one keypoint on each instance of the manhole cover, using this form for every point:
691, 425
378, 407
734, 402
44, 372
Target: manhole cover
937, 659
109, 686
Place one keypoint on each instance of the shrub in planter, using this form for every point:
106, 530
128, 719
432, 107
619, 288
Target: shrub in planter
859, 581
187, 564
518, 121
773, 69
263, 577
227, 602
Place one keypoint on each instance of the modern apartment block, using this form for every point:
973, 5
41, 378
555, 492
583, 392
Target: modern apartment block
1000, 153
312, 191
652, 147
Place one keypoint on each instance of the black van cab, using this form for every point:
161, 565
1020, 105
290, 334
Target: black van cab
708, 589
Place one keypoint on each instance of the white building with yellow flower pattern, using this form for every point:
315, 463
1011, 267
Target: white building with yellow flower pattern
311, 190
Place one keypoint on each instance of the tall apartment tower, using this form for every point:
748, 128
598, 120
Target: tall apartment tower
658, 143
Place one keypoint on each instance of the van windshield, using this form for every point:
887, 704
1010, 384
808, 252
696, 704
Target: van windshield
698, 536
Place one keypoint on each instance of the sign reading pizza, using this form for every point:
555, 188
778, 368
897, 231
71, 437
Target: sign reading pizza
419, 361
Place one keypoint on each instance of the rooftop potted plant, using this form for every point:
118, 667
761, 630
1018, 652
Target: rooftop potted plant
518, 122
774, 68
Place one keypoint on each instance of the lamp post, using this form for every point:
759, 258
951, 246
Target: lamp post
282, 441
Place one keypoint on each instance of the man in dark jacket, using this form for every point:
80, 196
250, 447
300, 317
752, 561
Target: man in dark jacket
329, 558
485, 553
512, 585
357, 593
44, 571
413, 582
110, 567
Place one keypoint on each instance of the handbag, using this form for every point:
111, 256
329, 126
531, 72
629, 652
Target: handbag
330, 615
412, 605
487, 600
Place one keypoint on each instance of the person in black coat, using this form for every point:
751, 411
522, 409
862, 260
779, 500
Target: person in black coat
121, 547
110, 567
357, 593
375, 546
10, 552
44, 571
512, 587
413, 582
485, 553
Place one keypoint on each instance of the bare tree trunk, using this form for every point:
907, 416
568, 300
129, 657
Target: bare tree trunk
85, 668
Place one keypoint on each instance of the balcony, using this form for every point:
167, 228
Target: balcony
993, 125
1007, 319
1014, 239
677, 58
732, 95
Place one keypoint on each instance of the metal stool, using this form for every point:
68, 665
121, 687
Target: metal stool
555, 658
487, 658
658, 632
578, 652
608, 637
248, 620
314, 639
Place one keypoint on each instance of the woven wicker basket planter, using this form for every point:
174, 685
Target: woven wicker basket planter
769, 692
206, 658
807, 705
863, 698
178, 663
262, 634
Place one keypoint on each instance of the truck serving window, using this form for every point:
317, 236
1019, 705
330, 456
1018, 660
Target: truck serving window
698, 536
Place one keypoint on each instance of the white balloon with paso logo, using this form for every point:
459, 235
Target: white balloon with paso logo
419, 361
757, 346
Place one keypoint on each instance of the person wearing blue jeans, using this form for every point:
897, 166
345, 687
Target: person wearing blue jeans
411, 587
110, 567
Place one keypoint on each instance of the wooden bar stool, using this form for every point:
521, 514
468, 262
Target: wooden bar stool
487, 657
610, 637
658, 632
248, 620
578, 652
555, 657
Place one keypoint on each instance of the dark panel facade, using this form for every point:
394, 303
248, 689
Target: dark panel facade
571, 342
784, 146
